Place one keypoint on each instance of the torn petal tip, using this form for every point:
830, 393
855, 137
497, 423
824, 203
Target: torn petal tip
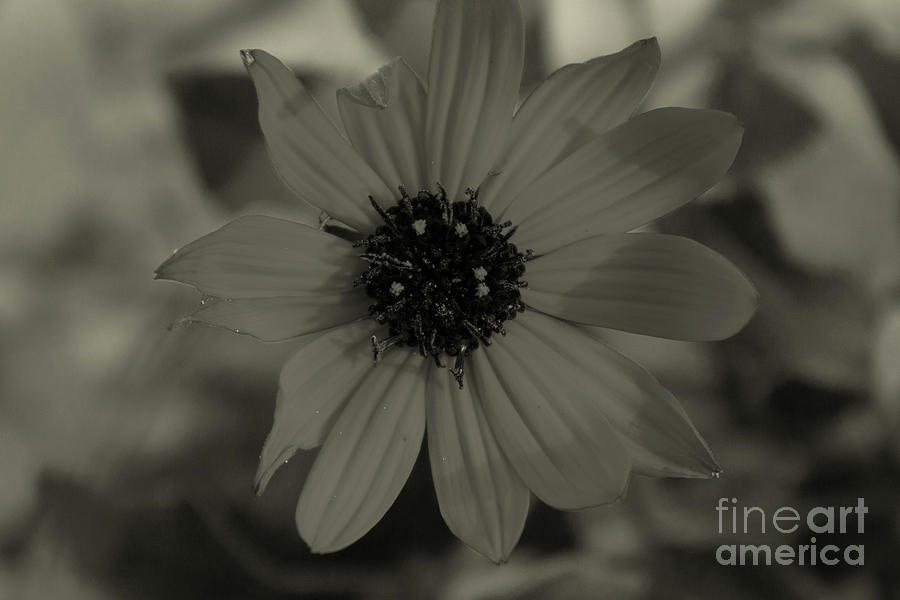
247, 57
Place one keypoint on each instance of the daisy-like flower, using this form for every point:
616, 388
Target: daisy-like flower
419, 298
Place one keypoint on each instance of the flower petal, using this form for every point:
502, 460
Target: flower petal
632, 174
264, 257
649, 421
545, 416
660, 285
474, 73
315, 384
575, 104
482, 500
367, 456
283, 317
308, 151
384, 118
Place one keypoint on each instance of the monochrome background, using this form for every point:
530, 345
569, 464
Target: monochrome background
127, 450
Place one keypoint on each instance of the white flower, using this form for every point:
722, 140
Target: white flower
545, 407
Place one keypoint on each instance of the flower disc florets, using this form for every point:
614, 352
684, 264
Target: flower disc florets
443, 275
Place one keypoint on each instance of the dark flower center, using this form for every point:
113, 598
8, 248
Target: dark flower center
443, 276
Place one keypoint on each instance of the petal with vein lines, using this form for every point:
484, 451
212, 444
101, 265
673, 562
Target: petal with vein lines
660, 285
482, 500
367, 455
474, 72
575, 104
385, 119
632, 174
315, 384
308, 151
547, 422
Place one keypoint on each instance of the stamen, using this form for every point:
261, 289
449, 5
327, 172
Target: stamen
386, 260
384, 216
485, 338
458, 368
378, 348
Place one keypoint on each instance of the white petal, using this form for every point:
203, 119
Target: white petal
367, 456
632, 174
572, 106
384, 117
283, 317
661, 285
481, 498
474, 73
315, 384
547, 421
263, 257
648, 420
308, 151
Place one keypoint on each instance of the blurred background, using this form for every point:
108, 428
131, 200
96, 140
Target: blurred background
128, 444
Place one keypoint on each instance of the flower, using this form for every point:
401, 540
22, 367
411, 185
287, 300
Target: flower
514, 394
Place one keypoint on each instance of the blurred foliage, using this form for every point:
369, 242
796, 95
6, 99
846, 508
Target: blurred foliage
128, 449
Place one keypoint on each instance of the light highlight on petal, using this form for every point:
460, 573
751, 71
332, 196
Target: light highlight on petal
474, 72
547, 421
648, 420
482, 499
633, 174
575, 104
661, 285
367, 456
308, 151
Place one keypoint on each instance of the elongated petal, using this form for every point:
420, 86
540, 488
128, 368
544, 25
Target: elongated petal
284, 317
661, 285
574, 105
315, 384
648, 420
367, 456
473, 81
264, 257
548, 422
633, 174
481, 498
308, 151
384, 117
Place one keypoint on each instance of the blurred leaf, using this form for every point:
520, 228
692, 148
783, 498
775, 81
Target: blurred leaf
810, 327
578, 30
826, 21
776, 121
219, 119
531, 577
886, 365
880, 72
319, 36
836, 204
